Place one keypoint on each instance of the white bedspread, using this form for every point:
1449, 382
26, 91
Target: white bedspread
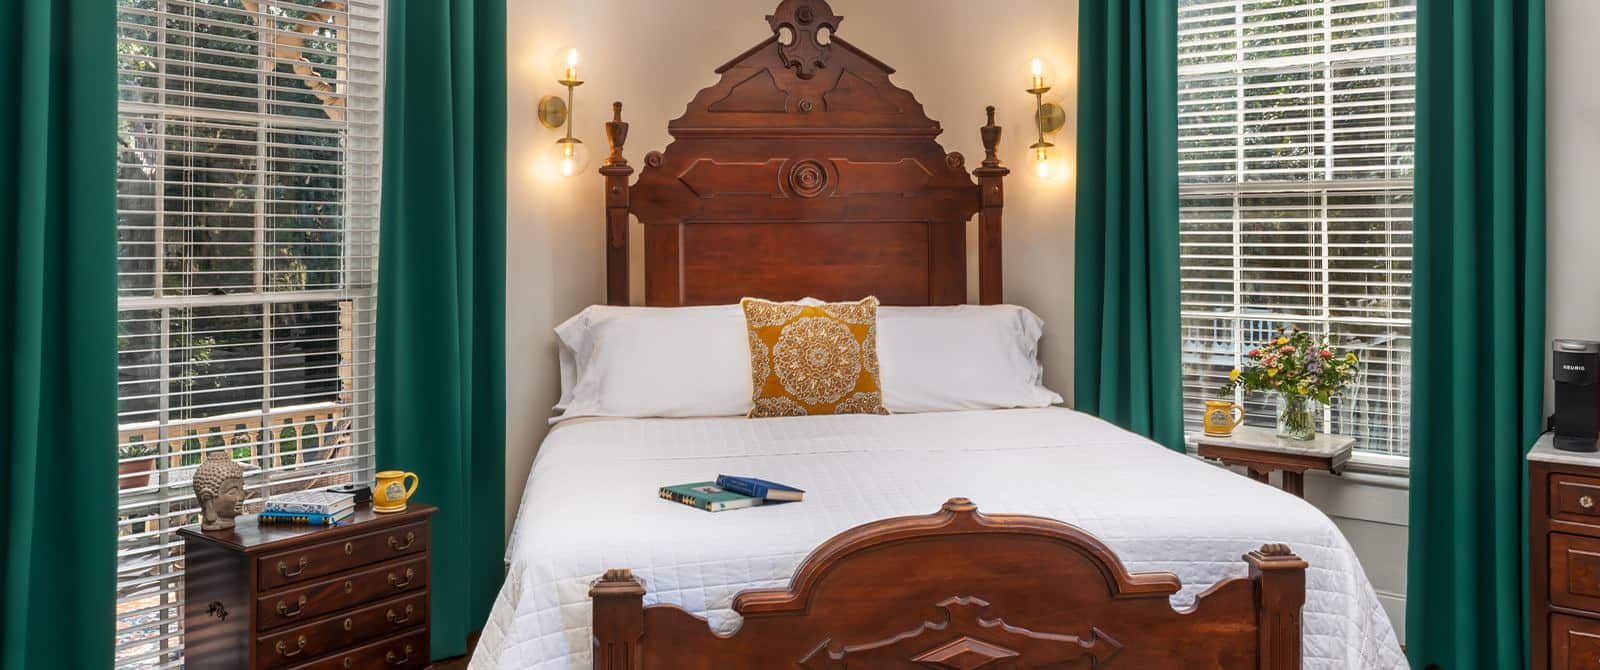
591, 504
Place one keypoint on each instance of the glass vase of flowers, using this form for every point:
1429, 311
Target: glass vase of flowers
1304, 373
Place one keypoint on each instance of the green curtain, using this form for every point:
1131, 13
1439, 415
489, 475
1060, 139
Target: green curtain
1127, 219
441, 292
58, 358
1477, 327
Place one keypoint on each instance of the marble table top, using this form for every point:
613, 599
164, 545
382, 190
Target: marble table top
1545, 451
1266, 439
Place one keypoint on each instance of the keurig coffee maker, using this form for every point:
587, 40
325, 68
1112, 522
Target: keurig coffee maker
1576, 364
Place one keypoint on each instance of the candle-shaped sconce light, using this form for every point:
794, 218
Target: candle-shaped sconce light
569, 157
1048, 118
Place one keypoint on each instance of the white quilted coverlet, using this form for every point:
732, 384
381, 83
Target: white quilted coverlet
591, 504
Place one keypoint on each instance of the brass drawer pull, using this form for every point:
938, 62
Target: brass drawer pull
410, 576
411, 538
1586, 502
283, 568
283, 608
283, 649
401, 619
391, 659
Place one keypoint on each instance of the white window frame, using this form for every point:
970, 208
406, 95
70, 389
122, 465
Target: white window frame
1315, 189
155, 506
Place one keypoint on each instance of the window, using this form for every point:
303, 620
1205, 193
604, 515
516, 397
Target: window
1295, 122
247, 204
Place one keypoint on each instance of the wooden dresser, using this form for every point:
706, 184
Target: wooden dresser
1564, 557
352, 597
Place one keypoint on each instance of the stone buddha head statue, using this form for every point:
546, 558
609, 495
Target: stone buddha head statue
219, 484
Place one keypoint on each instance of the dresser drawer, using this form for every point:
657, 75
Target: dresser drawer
319, 560
401, 652
1574, 643
1575, 498
1575, 571
341, 630
308, 602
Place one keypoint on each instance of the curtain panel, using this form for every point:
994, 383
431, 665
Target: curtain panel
1478, 326
1127, 333
441, 292
58, 344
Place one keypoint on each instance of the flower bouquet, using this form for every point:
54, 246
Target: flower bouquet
1304, 374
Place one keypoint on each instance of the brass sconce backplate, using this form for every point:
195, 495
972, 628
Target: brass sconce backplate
552, 112
1050, 117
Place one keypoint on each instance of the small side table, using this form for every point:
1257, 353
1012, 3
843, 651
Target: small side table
1261, 451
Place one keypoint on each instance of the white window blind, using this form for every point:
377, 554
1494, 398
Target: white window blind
247, 180
1295, 132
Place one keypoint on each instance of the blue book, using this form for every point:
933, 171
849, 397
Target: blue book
760, 488
307, 518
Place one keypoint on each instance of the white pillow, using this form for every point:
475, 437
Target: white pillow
695, 361
654, 361
935, 359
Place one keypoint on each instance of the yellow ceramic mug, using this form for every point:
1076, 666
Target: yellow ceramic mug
390, 494
1221, 417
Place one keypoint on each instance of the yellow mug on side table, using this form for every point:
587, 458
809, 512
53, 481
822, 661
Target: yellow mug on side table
1221, 417
390, 494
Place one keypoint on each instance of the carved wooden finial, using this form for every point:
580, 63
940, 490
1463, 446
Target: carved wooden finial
805, 52
1274, 556
616, 135
617, 582
959, 505
991, 139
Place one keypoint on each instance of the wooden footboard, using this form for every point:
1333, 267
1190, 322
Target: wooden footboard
962, 590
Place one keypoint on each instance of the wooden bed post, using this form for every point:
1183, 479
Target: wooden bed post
1280, 578
991, 199
618, 598
616, 171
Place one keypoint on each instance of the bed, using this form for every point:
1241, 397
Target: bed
984, 538
1156, 510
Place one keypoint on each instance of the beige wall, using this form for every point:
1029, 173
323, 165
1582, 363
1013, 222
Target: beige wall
1572, 124
955, 55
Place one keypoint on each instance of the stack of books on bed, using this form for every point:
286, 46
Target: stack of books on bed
730, 492
313, 508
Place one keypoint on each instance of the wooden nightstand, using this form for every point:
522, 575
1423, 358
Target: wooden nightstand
350, 597
1563, 556
1260, 451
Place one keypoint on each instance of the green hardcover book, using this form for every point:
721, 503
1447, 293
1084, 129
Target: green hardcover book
707, 496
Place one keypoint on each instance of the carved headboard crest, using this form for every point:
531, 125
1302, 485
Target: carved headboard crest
803, 171
805, 52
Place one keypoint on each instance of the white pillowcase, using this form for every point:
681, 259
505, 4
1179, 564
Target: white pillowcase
695, 361
937, 359
654, 361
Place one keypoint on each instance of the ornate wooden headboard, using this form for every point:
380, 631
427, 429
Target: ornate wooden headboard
804, 171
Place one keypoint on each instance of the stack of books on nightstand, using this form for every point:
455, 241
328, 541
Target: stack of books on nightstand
315, 508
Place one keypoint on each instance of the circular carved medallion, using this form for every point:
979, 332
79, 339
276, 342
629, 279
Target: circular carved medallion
808, 178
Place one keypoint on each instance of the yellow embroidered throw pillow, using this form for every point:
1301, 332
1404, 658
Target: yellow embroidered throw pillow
813, 359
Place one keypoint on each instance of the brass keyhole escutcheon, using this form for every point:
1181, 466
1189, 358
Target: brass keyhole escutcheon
349, 623
348, 662
1586, 502
349, 586
349, 548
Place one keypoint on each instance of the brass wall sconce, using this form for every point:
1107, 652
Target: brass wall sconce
555, 114
1048, 118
